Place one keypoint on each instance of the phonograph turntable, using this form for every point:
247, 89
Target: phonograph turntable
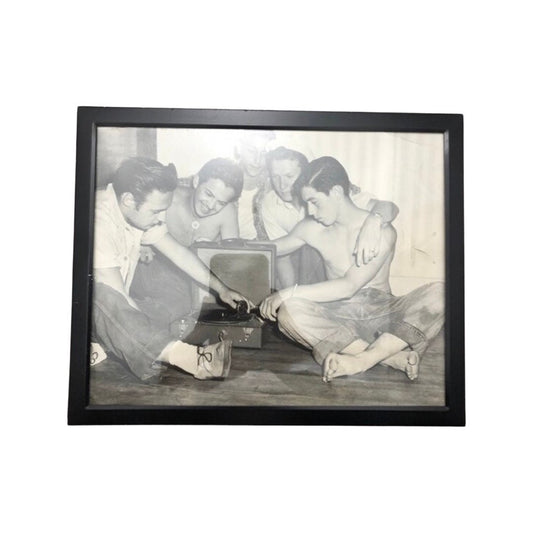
246, 267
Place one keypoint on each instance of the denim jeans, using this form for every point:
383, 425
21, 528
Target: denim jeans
416, 318
161, 290
129, 334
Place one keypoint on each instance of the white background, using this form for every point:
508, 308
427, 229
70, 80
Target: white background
344, 56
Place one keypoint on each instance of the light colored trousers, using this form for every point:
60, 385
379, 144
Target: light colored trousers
416, 318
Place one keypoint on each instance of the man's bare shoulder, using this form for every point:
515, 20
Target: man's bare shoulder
181, 195
230, 208
227, 213
389, 235
388, 241
307, 228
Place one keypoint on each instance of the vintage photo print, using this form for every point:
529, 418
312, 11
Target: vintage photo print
264, 267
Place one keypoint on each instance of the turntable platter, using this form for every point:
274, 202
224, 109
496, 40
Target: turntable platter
225, 316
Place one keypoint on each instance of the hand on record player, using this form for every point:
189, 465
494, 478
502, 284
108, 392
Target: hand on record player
232, 298
270, 305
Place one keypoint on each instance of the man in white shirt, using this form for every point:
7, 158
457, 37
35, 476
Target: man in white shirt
128, 214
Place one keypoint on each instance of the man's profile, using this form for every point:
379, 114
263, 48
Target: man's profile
351, 321
130, 213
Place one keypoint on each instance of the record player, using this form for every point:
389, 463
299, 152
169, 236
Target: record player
244, 266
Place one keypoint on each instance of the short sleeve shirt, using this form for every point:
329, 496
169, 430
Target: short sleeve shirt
279, 217
116, 243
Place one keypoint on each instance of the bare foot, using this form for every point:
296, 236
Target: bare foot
339, 364
406, 361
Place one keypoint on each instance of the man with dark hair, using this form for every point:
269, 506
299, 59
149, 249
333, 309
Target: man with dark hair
140, 175
203, 208
130, 213
351, 321
207, 210
281, 210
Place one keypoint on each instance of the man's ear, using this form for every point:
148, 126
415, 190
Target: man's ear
128, 200
337, 190
195, 180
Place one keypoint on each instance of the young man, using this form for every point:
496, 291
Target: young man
128, 214
207, 210
281, 211
250, 151
351, 321
203, 208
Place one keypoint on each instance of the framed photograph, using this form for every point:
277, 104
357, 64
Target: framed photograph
267, 267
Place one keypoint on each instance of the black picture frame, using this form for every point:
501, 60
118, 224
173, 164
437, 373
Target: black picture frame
450, 125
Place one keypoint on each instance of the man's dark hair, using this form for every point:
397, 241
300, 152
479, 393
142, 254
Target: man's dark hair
141, 175
281, 154
323, 174
225, 170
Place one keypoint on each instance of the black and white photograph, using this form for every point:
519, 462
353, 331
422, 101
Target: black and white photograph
264, 267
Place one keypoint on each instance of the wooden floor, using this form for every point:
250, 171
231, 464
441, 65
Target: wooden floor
279, 374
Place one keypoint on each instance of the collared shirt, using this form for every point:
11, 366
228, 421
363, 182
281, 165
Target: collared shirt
116, 243
279, 217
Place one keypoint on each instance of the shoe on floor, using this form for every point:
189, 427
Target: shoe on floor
96, 354
214, 361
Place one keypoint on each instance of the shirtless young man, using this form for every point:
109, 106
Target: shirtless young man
203, 210
281, 210
207, 210
351, 322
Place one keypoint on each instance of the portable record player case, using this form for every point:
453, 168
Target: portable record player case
246, 267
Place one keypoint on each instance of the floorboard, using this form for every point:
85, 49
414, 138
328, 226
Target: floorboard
279, 374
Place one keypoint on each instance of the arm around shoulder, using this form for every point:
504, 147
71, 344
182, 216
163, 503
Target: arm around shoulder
355, 278
358, 276
388, 211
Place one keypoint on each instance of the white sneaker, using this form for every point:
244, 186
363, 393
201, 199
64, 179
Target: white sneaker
96, 354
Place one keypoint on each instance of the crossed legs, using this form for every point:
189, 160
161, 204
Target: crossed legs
140, 343
360, 356
317, 327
